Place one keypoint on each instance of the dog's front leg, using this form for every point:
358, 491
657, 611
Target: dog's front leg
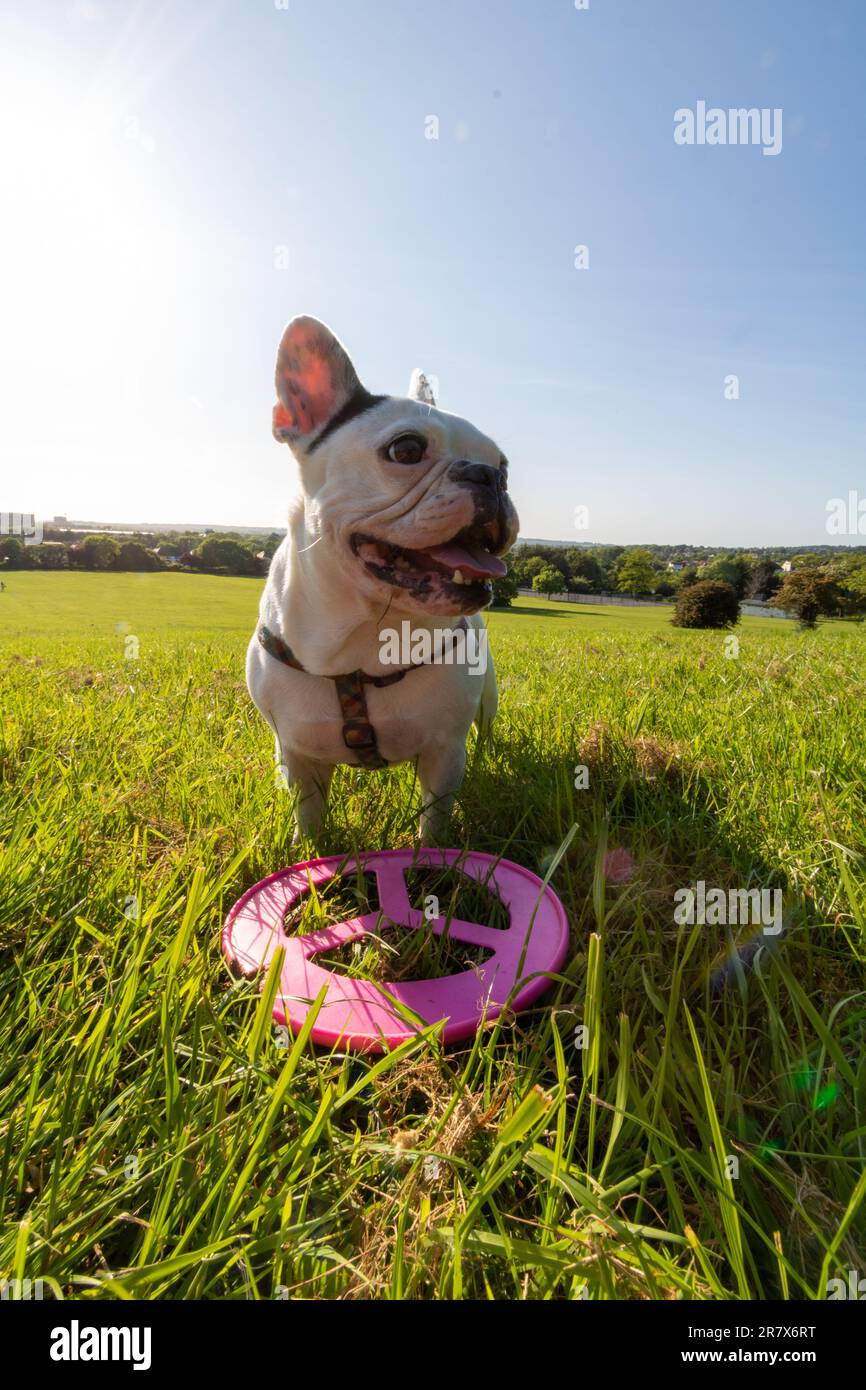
309, 781
440, 772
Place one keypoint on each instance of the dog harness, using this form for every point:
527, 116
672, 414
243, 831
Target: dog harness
359, 735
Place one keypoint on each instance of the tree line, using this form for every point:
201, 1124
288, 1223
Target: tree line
208, 553
824, 582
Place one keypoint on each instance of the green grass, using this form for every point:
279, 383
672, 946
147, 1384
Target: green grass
159, 1139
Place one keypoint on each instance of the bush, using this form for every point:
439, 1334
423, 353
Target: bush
708, 603
504, 590
51, 557
221, 553
135, 557
13, 554
97, 552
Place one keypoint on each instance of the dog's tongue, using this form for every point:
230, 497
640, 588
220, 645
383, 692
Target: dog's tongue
458, 557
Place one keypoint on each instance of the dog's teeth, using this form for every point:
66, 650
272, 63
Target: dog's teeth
401, 563
458, 577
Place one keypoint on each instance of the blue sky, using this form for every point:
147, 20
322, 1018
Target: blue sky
161, 157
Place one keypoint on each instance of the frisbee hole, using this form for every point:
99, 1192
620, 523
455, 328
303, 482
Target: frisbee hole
335, 900
459, 896
399, 953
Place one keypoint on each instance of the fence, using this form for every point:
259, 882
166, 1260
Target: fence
753, 608
628, 599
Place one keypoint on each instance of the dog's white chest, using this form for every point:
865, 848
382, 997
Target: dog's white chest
428, 707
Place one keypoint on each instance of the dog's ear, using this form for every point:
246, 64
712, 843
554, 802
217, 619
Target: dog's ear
314, 379
420, 388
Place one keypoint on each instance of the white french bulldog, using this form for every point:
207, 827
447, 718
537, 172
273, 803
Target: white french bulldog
402, 510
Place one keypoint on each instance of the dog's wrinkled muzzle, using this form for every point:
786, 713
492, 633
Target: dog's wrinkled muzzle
495, 518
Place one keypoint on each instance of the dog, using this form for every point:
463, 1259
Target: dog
403, 512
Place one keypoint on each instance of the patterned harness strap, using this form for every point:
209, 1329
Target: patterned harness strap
359, 735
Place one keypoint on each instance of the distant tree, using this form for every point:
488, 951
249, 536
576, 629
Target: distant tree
665, 588
852, 592
188, 542
13, 554
135, 557
730, 569
848, 572
504, 590
708, 603
809, 594
548, 581
607, 556
533, 559
220, 552
51, 557
584, 570
97, 552
686, 578
635, 572
764, 580
855, 582
557, 558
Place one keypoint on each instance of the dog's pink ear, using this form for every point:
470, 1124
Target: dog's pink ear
314, 379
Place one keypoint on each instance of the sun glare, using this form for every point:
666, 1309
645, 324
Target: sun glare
87, 262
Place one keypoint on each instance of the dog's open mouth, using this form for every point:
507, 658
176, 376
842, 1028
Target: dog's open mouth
462, 568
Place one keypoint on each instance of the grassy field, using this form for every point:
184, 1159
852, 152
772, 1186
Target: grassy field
158, 1138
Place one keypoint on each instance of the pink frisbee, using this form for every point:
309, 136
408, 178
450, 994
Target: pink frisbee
366, 1014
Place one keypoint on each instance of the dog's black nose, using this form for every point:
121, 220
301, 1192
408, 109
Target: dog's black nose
482, 473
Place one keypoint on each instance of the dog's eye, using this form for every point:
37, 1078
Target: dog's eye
407, 448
